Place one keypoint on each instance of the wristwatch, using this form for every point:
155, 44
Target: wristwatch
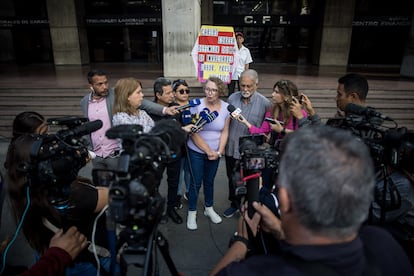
219, 154
283, 132
236, 237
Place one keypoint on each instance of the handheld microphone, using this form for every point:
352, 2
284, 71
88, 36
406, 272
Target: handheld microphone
235, 111
352, 108
192, 103
86, 128
207, 118
186, 117
202, 114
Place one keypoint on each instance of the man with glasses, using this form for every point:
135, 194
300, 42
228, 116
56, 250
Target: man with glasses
254, 106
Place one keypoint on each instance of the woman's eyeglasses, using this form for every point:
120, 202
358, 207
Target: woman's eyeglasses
210, 90
182, 91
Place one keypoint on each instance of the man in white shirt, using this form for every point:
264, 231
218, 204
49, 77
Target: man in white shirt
244, 58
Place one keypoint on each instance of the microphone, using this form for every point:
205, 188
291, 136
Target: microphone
235, 111
86, 128
352, 108
202, 114
207, 118
186, 117
192, 103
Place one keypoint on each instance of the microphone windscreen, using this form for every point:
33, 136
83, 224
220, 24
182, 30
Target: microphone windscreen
231, 108
212, 116
194, 102
186, 117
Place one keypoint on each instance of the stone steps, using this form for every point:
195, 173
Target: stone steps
56, 102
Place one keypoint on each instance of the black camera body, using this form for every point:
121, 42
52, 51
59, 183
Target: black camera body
388, 146
57, 158
255, 155
256, 160
134, 200
260, 159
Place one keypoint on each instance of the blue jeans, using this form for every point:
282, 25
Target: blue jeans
204, 172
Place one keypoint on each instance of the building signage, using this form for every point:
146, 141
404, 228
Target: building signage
214, 51
381, 21
127, 20
23, 22
264, 20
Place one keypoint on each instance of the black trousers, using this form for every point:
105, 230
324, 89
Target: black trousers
232, 85
173, 177
232, 168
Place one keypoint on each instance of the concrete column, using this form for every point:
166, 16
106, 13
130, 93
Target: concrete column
6, 37
407, 65
337, 32
180, 25
68, 35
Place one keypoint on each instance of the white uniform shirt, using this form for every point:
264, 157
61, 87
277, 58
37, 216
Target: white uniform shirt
243, 57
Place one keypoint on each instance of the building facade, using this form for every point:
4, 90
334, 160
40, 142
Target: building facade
317, 32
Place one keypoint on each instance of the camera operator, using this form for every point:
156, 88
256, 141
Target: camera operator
321, 214
32, 199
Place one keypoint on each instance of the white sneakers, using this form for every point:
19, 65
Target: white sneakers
192, 220
208, 212
214, 217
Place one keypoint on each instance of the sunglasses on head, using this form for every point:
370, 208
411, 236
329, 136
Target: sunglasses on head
182, 91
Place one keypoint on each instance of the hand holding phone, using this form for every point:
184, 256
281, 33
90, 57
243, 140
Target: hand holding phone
273, 121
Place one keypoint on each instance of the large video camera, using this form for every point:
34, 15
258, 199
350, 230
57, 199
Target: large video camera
255, 158
57, 158
134, 200
389, 145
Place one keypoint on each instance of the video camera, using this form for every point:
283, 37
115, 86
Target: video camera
134, 200
257, 159
392, 146
57, 158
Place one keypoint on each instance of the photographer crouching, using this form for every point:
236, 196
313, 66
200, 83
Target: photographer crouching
322, 209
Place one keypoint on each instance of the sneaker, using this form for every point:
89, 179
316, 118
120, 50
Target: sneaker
230, 212
214, 217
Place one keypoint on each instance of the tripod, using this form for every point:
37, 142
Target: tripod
142, 256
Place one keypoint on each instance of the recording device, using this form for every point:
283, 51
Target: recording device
365, 111
134, 200
133, 186
255, 158
68, 121
258, 159
235, 111
57, 158
273, 121
191, 103
202, 115
388, 146
186, 117
206, 118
